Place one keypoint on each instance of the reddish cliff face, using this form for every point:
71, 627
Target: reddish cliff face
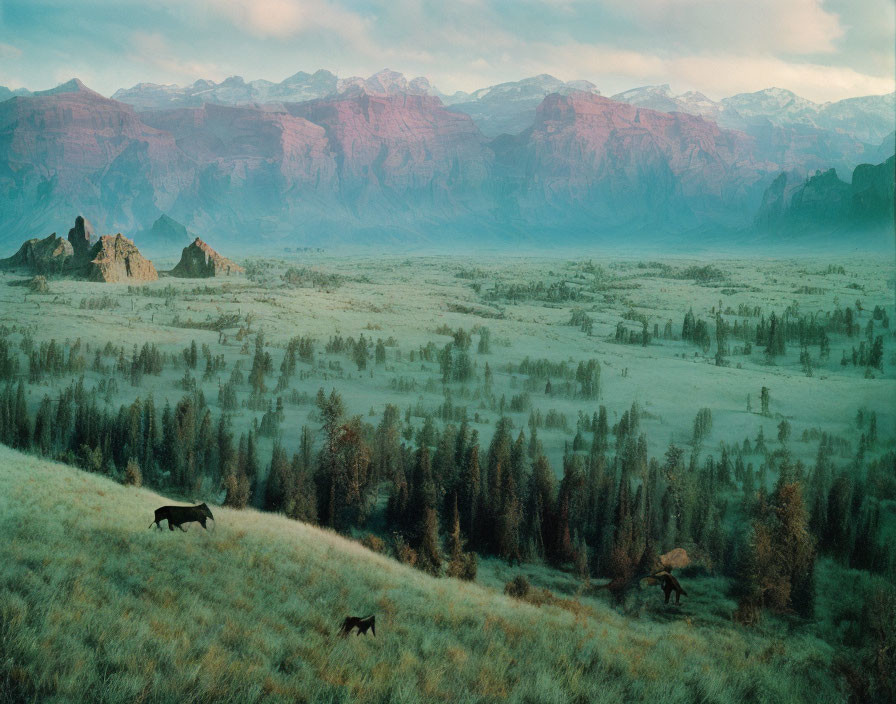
614, 159
242, 140
198, 260
71, 133
390, 166
392, 145
75, 150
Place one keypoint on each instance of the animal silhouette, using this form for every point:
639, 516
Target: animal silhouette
178, 515
362, 624
669, 584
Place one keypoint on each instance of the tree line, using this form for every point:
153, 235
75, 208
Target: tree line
609, 514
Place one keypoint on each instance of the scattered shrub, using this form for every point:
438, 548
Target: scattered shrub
518, 587
374, 543
238, 490
132, 474
39, 285
404, 553
465, 567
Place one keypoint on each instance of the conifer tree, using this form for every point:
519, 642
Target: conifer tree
236, 487
21, 421
470, 487
43, 428
279, 485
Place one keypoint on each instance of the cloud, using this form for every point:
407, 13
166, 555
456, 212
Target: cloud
781, 26
724, 75
818, 48
153, 49
718, 75
282, 19
8, 51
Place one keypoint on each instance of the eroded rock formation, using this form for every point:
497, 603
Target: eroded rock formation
49, 255
115, 259
81, 237
112, 258
198, 260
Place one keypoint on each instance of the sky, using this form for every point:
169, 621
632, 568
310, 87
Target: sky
821, 49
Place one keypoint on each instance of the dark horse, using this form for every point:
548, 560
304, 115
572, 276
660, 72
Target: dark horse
669, 584
178, 515
362, 624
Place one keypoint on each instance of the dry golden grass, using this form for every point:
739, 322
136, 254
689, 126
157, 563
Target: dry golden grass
96, 607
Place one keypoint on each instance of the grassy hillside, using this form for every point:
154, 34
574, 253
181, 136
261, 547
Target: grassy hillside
94, 606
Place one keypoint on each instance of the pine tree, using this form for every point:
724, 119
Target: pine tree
236, 487
331, 411
470, 486
540, 508
43, 427
783, 431
461, 565
721, 332
509, 522
279, 486
429, 557
794, 546
302, 505
22, 423
252, 466
150, 440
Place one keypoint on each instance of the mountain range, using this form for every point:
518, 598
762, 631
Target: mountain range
317, 159
510, 107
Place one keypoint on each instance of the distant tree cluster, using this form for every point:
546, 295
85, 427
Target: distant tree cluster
695, 331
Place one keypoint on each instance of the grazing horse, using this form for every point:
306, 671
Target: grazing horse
362, 624
178, 515
669, 584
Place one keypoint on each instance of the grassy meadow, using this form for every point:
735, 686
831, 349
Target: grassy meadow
96, 607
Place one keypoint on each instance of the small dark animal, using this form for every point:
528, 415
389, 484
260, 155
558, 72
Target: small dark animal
669, 584
178, 515
362, 624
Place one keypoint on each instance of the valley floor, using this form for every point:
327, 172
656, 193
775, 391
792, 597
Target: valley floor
94, 606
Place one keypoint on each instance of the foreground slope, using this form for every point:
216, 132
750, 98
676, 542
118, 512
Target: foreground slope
93, 605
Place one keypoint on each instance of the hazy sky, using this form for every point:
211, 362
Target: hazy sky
821, 49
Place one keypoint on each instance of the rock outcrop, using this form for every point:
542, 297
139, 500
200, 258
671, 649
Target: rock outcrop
111, 258
824, 204
50, 255
115, 259
81, 237
165, 235
198, 260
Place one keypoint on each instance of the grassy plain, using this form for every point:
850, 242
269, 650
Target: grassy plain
410, 299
